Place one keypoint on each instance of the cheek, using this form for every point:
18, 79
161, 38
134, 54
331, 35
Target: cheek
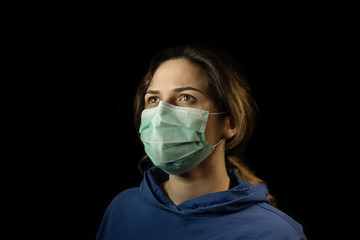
213, 130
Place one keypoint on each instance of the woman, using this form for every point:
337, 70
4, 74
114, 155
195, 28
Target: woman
195, 113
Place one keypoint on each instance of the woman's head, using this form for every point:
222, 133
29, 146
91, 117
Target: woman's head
206, 79
218, 84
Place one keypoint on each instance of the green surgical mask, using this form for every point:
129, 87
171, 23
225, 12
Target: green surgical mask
174, 137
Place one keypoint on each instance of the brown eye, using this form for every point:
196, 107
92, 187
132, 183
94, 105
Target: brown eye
186, 98
153, 100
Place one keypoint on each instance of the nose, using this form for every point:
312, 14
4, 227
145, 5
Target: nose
169, 99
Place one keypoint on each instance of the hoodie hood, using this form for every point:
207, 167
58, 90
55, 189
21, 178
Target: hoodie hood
241, 196
239, 213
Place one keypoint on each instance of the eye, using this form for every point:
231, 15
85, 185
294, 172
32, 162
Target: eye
187, 98
152, 100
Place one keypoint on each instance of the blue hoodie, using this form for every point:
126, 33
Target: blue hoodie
242, 212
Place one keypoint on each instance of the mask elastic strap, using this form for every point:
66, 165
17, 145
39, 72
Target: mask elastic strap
218, 113
218, 143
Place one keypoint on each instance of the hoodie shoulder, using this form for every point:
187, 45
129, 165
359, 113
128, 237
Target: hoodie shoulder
123, 202
278, 222
116, 214
125, 198
126, 194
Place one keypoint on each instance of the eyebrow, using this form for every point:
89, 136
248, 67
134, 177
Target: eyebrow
185, 89
152, 92
181, 89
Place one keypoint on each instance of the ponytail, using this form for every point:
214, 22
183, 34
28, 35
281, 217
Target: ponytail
247, 174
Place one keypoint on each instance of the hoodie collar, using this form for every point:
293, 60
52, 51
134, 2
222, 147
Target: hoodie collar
242, 195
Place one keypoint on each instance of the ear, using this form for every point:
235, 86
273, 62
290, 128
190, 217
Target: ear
229, 128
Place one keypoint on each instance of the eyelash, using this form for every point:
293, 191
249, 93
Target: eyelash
191, 99
151, 98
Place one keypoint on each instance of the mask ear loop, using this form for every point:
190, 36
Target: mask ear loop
218, 143
218, 113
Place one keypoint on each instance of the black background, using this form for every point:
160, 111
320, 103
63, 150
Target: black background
82, 87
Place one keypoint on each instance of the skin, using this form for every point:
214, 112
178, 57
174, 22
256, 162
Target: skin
181, 83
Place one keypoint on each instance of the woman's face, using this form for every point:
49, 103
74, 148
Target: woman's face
182, 83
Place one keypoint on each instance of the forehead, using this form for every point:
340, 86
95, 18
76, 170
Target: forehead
179, 73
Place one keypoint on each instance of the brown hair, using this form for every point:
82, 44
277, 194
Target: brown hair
231, 93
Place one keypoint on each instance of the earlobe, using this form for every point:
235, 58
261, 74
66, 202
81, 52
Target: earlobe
229, 127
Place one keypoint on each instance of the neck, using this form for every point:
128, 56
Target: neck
208, 177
